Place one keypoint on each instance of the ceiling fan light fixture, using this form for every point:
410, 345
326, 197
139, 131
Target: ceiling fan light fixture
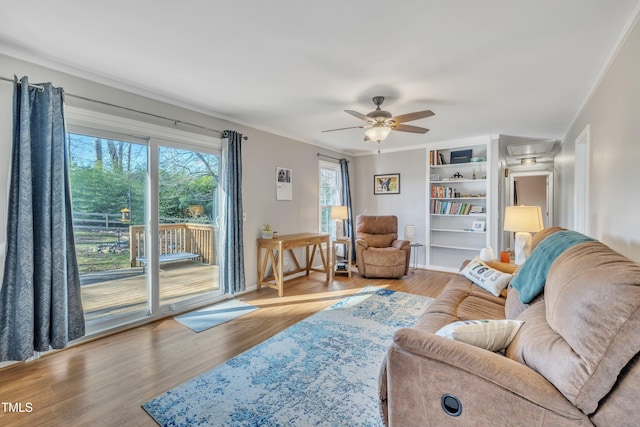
378, 132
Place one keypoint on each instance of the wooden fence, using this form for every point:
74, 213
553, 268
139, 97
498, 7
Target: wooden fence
175, 239
98, 221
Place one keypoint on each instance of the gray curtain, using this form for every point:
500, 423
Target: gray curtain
40, 302
346, 199
232, 267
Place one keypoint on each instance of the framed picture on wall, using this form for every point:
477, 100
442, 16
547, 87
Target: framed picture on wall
386, 184
284, 184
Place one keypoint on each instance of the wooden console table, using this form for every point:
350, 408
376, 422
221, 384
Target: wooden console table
274, 253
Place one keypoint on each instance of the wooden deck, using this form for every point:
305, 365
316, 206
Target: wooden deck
128, 291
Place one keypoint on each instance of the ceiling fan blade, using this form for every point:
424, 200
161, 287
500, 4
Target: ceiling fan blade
350, 127
359, 115
409, 128
413, 116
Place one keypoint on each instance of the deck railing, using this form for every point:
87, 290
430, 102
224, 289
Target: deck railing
174, 239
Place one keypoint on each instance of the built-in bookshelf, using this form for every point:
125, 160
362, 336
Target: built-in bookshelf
458, 224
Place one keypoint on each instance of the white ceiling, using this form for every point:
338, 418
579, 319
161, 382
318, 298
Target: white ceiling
291, 67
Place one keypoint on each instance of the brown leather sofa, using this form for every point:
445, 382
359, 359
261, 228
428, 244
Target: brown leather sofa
574, 361
379, 253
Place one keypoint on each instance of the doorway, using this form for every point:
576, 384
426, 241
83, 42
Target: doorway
145, 215
531, 188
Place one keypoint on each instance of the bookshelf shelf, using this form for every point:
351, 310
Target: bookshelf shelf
458, 198
453, 230
461, 215
455, 165
460, 248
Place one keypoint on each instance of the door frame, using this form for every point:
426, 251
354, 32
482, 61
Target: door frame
581, 181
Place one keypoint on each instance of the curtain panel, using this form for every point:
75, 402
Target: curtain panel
40, 301
232, 268
346, 200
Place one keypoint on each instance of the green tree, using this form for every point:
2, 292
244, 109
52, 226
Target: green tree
187, 178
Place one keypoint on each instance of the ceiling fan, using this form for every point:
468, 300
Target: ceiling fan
380, 122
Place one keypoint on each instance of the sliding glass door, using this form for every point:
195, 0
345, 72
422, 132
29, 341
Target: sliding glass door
146, 218
188, 224
108, 189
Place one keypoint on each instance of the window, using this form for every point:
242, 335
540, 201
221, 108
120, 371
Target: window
330, 195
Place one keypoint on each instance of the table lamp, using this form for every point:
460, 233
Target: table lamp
339, 213
410, 233
523, 220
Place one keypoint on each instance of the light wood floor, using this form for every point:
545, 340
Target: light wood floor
104, 382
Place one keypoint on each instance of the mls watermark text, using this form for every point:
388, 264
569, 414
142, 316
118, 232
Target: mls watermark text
16, 407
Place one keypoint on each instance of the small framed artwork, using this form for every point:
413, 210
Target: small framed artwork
386, 184
284, 184
477, 226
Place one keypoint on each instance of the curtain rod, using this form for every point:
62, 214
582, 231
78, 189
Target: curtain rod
40, 88
329, 157
175, 121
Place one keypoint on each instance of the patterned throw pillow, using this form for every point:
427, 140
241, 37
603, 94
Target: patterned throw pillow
486, 277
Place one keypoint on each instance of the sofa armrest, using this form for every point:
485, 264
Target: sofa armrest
423, 367
505, 267
400, 244
361, 246
361, 243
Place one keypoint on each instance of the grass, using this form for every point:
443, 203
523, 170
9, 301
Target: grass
92, 261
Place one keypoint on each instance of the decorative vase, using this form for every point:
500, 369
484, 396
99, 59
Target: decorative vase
486, 254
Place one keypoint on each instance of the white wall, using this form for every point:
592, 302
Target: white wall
410, 206
262, 153
613, 114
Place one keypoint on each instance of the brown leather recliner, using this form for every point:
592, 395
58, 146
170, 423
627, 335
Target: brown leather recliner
379, 253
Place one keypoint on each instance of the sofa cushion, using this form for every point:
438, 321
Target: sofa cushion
586, 331
377, 231
486, 277
384, 257
531, 276
384, 262
460, 300
543, 234
513, 306
490, 334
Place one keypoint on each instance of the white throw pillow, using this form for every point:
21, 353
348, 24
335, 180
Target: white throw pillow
486, 277
492, 335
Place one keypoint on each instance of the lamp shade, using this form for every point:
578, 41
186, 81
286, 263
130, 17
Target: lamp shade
523, 218
339, 212
410, 233
378, 132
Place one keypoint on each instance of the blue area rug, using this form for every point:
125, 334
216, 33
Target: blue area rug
322, 371
209, 317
